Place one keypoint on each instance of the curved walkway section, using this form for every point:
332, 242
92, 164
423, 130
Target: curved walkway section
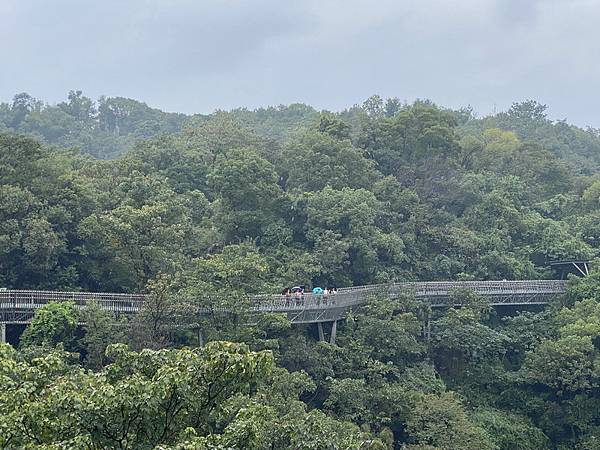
18, 306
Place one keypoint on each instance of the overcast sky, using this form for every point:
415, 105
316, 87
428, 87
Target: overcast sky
196, 56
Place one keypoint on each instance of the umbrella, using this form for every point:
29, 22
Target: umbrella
296, 288
317, 290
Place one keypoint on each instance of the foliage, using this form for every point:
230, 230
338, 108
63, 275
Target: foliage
510, 431
442, 422
205, 211
186, 398
101, 328
53, 324
105, 128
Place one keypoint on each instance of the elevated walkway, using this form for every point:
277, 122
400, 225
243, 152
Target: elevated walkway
18, 306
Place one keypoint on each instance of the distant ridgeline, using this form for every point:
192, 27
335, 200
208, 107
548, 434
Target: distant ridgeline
111, 126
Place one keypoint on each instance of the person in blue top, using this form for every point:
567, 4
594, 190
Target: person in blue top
318, 292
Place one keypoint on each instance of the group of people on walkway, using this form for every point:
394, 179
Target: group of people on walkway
297, 295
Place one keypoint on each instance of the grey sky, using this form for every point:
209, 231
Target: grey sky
196, 56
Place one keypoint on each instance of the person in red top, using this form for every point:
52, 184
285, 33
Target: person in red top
287, 293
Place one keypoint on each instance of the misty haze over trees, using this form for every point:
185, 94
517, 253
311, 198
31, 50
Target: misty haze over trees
114, 196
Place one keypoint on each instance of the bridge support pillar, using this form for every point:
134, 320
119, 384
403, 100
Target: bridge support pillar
200, 338
333, 332
3, 333
321, 334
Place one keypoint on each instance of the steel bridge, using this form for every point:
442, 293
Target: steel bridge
18, 306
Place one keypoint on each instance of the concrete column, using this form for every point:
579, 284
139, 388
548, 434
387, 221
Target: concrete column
320, 328
3, 333
333, 331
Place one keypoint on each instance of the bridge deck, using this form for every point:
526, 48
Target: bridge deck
18, 306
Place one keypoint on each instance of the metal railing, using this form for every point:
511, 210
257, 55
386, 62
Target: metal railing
19, 305
20, 299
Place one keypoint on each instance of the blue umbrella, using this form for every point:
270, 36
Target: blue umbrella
317, 290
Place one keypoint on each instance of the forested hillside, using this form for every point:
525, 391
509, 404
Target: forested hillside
105, 129
116, 196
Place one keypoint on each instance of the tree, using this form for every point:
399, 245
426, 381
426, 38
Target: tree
238, 268
510, 431
331, 125
526, 331
464, 348
18, 158
221, 133
591, 196
341, 226
246, 186
79, 106
101, 329
373, 106
415, 133
184, 165
28, 244
132, 244
566, 365
22, 105
387, 331
54, 323
141, 400
442, 422
219, 396
499, 147
314, 160
221, 284
42, 200
584, 288
151, 327
528, 111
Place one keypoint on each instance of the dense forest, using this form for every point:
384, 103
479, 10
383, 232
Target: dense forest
205, 210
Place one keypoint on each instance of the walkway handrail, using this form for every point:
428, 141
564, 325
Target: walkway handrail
438, 293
